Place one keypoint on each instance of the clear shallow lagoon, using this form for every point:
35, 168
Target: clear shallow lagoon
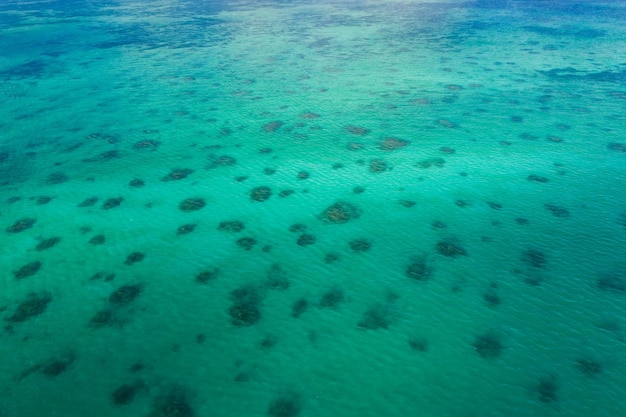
316, 209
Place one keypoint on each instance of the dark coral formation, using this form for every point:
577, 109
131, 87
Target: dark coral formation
357, 130
88, 202
260, 194
557, 211
332, 298
375, 317
547, 389
125, 294
28, 270
299, 307
287, 406
297, 228
418, 270
331, 257
306, 239
21, 225
272, 126
177, 174
418, 343
617, 147
391, 144
221, 161
360, 245
536, 178
450, 249
378, 166
56, 366
186, 228
134, 258
246, 243
431, 162
34, 305
234, 226
46, 244
192, 204
206, 276
303, 175
97, 240
137, 183
56, 178
534, 258
245, 310
112, 202
488, 345
589, 367
125, 393
340, 212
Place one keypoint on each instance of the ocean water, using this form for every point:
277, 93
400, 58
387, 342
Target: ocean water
312, 208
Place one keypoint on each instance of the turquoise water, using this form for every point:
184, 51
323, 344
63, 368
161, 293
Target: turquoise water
334, 208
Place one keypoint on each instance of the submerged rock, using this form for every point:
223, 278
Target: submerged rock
340, 212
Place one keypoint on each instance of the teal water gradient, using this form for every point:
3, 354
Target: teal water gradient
442, 233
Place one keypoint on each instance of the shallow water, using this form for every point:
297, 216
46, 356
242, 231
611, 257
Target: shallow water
283, 209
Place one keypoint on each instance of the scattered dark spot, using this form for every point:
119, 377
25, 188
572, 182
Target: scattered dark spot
589, 367
357, 130
331, 257
206, 276
21, 225
28, 270
546, 388
332, 298
269, 171
521, 221
43, 199
286, 193
34, 305
56, 178
268, 342
112, 202
303, 175
376, 317
134, 258
419, 344
241, 178
447, 150
557, 211
447, 248
299, 307
517, 119
289, 406
297, 228
276, 278
358, 190
555, 139
360, 245
495, 206
104, 156
97, 240
377, 166
260, 194
47, 243
536, 178
242, 377
245, 310
246, 243
56, 367
391, 144
534, 258
192, 204
200, 338
439, 225
265, 151
125, 394
88, 202
105, 276
354, 146
137, 183
221, 161
306, 239
177, 174
431, 162
234, 226
419, 270
272, 126
13, 199
612, 282
488, 346
173, 404
492, 299
186, 228
407, 203
617, 147
125, 294
147, 144
340, 212
102, 318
